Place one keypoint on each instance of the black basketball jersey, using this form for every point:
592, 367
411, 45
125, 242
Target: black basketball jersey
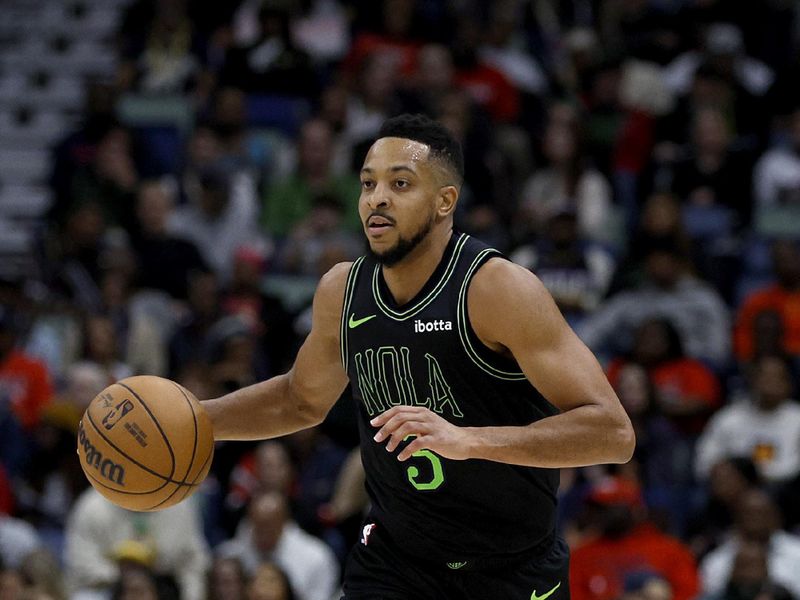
425, 353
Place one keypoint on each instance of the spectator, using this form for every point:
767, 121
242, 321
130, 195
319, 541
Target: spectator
694, 308
163, 52
227, 580
268, 534
728, 480
782, 298
750, 577
264, 313
24, 381
655, 435
188, 344
53, 478
373, 98
164, 261
138, 582
660, 221
714, 174
268, 468
757, 520
576, 272
776, 180
42, 573
567, 183
392, 36
320, 240
233, 354
17, 540
723, 48
627, 543
246, 152
109, 180
686, 390
431, 81
488, 87
288, 201
765, 429
103, 347
317, 462
97, 529
270, 582
505, 50
271, 63
219, 218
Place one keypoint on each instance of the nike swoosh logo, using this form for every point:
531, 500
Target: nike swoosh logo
546, 594
353, 322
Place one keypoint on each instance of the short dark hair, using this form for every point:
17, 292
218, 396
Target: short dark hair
421, 128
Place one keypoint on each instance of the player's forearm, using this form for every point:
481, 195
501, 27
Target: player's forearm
582, 436
259, 411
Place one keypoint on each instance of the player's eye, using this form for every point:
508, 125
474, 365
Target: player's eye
401, 183
367, 184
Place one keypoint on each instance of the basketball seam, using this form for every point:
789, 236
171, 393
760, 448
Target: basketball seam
115, 490
194, 484
191, 460
157, 424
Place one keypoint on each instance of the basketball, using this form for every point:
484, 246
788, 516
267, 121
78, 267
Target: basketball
145, 443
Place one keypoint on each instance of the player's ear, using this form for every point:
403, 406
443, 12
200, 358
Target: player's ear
448, 197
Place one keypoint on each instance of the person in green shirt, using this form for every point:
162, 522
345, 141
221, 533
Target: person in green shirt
290, 199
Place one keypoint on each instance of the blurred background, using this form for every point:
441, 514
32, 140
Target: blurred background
176, 175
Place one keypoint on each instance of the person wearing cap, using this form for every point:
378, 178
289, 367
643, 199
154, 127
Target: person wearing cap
627, 543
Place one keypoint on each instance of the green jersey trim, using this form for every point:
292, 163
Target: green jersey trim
349, 290
463, 324
403, 315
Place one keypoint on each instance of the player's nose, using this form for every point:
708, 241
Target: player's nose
380, 197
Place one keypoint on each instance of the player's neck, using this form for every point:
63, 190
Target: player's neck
406, 278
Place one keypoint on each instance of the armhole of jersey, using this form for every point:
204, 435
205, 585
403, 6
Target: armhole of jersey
479, 353
349, 288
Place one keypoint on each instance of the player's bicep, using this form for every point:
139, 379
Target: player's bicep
317, 376
525, 320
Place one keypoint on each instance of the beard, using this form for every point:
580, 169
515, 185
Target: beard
402, 248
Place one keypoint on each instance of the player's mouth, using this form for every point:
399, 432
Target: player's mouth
377, 224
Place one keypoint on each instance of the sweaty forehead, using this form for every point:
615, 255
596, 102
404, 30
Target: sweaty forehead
392, 150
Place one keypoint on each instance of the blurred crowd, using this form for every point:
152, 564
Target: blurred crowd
642, 157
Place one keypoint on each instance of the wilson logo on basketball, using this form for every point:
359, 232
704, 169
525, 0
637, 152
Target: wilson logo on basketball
116, 414
107, 468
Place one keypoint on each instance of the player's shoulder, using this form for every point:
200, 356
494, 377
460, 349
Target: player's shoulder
331, 287
501, 278
335, 278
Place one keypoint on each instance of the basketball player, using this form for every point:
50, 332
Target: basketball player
472, 391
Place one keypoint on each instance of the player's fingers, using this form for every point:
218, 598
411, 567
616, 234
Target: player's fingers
415, 446
393, 423
406, 429
385, 417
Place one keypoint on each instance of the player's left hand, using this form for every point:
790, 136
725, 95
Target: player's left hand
431, 432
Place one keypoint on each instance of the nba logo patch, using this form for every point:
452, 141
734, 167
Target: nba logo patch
365, 533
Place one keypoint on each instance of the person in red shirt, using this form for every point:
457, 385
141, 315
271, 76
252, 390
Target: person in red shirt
781, 299
24, 380
686, 390
624, 545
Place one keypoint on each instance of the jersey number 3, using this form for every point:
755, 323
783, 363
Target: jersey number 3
436, 467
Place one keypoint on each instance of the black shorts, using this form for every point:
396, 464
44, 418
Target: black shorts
379, 570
